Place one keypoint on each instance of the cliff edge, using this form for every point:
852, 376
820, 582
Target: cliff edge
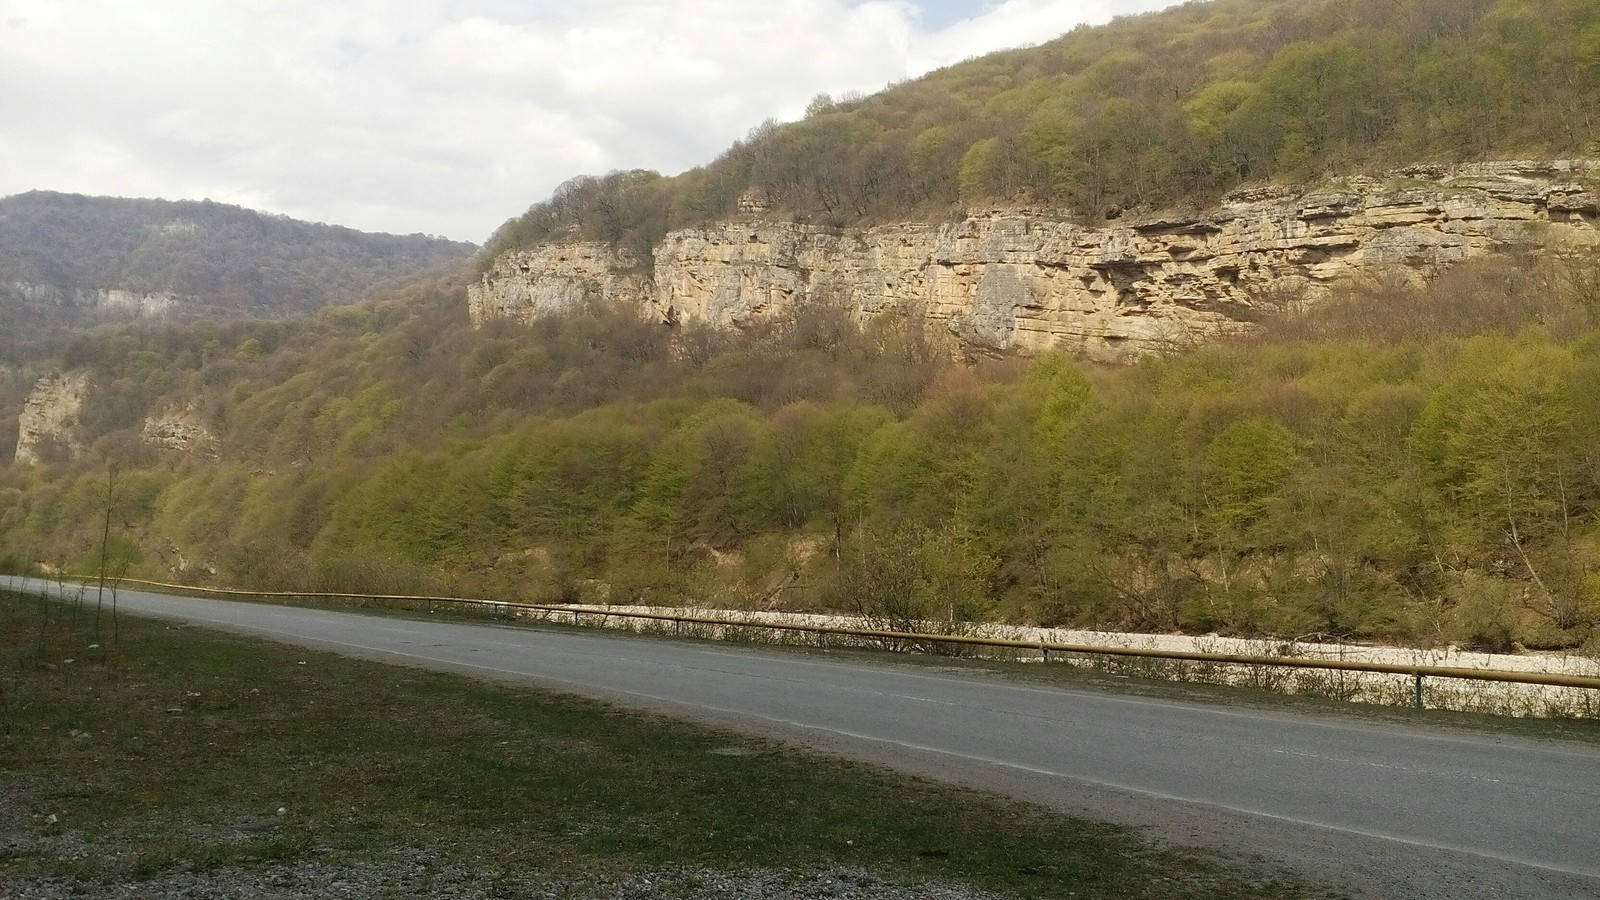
1021, 279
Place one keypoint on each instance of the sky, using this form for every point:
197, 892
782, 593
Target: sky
444, 117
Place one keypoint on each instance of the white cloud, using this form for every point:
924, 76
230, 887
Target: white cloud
1018, 23
443, 116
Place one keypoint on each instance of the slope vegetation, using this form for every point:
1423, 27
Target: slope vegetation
1403, 463
68, 260
1164, 110
1398, 464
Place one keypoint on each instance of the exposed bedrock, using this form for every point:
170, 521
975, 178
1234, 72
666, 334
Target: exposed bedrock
1023, 279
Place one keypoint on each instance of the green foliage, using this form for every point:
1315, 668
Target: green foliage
917, 580
1155, 111
1246, 465
1437, 481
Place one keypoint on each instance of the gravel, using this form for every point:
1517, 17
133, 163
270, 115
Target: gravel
427, 878
37, 851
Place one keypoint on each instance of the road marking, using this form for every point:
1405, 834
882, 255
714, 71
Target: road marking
956, 754
184, 608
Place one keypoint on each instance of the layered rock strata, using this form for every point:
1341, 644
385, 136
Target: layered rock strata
1022, 279
49, 429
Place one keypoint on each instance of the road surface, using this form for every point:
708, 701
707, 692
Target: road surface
1385, 810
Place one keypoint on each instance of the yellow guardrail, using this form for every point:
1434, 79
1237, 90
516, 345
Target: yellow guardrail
1045, 648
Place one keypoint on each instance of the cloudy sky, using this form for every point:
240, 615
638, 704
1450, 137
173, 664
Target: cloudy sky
443, 116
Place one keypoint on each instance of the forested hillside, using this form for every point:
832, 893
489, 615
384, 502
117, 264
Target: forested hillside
1395, 464
59, 253
1411, 459
1150, 112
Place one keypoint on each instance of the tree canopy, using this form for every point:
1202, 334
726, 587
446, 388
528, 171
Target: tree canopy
1433, 482
1156, 111
226, 262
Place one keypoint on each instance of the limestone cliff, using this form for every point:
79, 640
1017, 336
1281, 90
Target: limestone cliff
1024, 279
530, 283
181, 429
48, 427
148, 304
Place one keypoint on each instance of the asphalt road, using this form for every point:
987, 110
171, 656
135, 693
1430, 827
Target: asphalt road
1390, 811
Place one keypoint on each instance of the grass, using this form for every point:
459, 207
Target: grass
172, 750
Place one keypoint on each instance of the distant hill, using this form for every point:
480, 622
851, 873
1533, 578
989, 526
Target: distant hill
67, 261
1152, 112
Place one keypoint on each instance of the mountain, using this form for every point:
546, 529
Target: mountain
67, 261
796, 377
1118, 191
1164, 111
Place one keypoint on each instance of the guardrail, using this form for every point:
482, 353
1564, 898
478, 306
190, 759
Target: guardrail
1045, 648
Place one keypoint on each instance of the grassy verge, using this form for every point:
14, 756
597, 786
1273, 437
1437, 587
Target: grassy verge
174, 749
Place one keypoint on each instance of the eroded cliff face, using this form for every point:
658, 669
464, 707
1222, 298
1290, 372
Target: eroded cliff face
145, 305
529, 283
48, 427
179, 428
1020, 279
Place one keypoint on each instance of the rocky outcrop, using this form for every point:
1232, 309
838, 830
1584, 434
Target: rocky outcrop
116, 301
179, 429
48, 427
531, 283
1029, 280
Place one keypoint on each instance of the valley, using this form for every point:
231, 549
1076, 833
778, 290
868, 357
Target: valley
1184, 324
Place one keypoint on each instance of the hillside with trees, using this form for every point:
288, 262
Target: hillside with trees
1412, 462
224, 262
1397, 464
1151, 112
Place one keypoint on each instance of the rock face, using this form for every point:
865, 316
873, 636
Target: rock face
531, 283
154, 304
1023, 279
48, 428
179, 429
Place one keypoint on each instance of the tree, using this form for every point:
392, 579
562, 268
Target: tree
917, 580
1502, 437
110, 498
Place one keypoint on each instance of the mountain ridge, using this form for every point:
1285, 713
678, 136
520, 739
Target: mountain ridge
1163, 111
68, 261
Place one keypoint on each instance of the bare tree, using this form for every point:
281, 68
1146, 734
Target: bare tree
108, 497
